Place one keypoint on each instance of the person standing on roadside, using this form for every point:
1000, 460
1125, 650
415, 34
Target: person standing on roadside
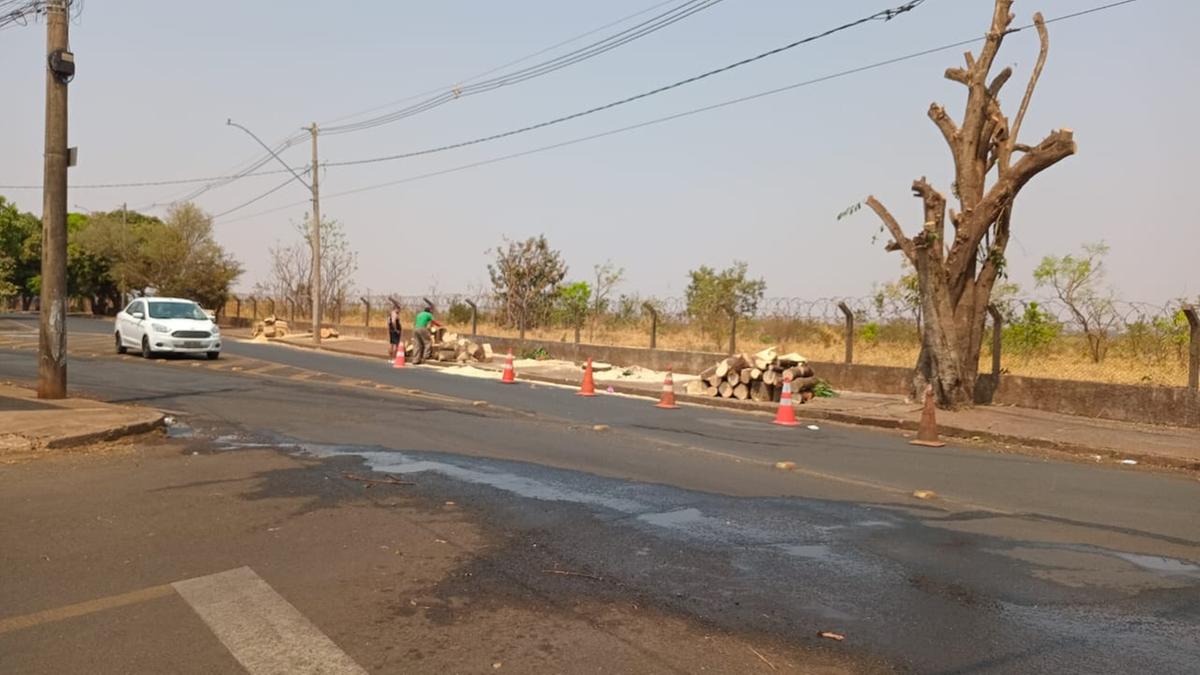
394, 333
423, 338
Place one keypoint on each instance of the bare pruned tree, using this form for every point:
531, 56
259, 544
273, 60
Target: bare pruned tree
957, 272
291, 266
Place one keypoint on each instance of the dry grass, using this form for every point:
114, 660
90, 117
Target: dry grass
898, 345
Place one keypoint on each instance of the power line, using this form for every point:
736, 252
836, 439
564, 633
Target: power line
152, 183
264, 195
293, 140
884, 15
680, 115
462, 90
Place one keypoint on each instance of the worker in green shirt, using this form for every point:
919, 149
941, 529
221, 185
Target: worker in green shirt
423, 338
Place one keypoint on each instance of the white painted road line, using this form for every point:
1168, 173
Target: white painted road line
264, 632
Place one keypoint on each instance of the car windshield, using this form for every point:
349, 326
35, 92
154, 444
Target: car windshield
177, 310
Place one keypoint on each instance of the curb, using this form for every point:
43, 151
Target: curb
948, 431
109, 434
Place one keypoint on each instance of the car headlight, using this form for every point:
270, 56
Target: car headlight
216, 331
159, 328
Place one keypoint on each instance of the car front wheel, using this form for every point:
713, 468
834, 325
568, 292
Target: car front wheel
213, 356
146, 352
120, 344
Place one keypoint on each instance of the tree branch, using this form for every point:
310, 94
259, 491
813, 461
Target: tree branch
934, 232
944, 124
998, 82
900, 242
1044, 37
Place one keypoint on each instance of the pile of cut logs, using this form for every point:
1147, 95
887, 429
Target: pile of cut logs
758, 377
271, 327
449, 346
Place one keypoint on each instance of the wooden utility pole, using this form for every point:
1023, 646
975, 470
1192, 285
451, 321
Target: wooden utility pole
52, 338
316, 241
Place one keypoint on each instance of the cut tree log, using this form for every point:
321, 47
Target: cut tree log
770, 376
722, 368
741, 392
734, 376
746, 376
756, 374
725, 390
715, 380
760, 391
707, 373
696, 388
711, 390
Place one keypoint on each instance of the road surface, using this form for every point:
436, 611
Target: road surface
1020, 564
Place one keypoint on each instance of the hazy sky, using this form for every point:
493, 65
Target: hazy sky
761, 181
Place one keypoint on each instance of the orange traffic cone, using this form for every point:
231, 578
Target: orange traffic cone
510, 375
786, 416
588, 388
668, 393
399, 362
927, 432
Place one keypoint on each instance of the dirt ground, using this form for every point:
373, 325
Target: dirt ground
402, 582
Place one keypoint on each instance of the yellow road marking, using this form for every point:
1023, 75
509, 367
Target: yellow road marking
84, 608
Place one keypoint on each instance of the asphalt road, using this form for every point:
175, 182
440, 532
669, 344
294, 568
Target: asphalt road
1021, 565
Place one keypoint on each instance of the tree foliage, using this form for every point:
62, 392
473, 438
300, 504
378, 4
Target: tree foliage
714, 298
291, 266
574, 303
525, 278
607, 276
1077, 282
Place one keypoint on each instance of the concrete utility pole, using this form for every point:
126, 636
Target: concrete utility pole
316, 241
52, 338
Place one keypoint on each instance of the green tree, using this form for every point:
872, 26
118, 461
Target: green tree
525, 278
1030, 334
714, 298
574, 302
17, 246
607, 278
1077, 283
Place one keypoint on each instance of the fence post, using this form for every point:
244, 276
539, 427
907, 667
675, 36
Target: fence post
849, 330
337, 312
271, 306
474, 317
653, 324
254, 308
237, 311
732, 332
366, 312
291, 305
1194, 348
997, 335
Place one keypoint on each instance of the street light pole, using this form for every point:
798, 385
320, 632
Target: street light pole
52, 324
316, 236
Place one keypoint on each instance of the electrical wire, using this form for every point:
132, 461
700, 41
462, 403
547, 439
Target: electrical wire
592, 50
502, 66
690, 7
884, 15
264, 195
680, 115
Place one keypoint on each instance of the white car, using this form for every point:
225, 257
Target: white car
167, 325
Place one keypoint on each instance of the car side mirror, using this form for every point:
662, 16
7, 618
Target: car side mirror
137, 315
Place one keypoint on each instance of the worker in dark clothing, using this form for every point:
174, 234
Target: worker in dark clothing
423, 338
394, 333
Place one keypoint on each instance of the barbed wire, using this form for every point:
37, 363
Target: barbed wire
1113, 315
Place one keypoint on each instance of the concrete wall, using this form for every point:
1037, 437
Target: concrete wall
1174, 406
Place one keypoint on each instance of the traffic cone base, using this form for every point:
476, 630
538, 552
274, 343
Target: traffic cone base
510, 374
399, 361
927, 431
588, 387
667, 402
786, 415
